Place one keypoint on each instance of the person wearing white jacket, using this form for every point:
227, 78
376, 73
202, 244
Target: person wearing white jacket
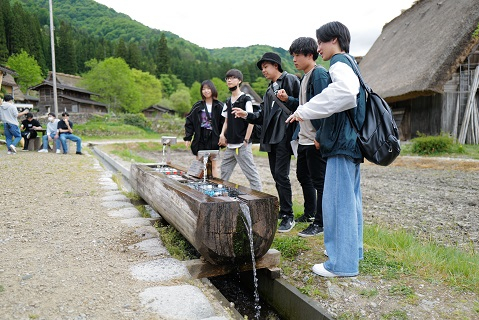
342, 200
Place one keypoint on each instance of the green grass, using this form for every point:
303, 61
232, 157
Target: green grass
392, 254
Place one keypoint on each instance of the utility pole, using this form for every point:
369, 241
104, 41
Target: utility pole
54, 72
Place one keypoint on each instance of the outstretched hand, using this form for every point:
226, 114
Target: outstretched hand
292, 118
239, 113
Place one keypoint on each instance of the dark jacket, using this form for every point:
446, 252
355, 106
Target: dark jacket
193, 124
274, 128
337, 136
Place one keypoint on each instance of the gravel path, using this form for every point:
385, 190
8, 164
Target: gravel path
63, 257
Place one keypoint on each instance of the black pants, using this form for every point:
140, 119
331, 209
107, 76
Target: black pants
33, 135
311, 169
279, 163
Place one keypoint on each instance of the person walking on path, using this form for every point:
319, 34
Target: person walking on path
65, 131
236, 133
276, 134
51, 135
9, 116
311, 166
342, 200
204, 123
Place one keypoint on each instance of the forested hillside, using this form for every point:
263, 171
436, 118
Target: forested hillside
86, 30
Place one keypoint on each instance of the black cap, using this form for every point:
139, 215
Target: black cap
270, 57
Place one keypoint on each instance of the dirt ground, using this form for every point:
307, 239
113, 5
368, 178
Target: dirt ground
434, 198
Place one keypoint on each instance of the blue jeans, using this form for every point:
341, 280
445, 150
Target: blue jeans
12, 130
45, 141
343, 216
72, 137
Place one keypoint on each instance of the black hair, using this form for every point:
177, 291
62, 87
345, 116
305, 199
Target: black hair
29, 115
235, 73
209, 84
335, 29
305, 46
51, 114
65, 114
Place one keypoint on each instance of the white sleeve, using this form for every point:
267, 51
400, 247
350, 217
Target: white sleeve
249, 106
224, 113
338, 96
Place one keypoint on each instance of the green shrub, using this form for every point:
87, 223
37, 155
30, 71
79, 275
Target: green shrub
426, 145
137, 120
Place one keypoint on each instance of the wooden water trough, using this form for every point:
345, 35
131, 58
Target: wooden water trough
213, 225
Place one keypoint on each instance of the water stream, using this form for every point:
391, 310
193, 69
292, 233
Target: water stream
249, 227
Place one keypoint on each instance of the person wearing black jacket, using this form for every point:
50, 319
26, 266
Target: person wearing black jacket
204, 123
276, 134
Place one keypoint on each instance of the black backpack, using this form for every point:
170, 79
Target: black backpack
378, 138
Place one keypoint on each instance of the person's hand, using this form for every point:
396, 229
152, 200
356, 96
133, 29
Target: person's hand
282, 95
56, 136
222, 142
239, 113
317, 144
292, 118
187, 144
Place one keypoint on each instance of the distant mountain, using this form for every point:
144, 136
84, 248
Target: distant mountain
100, 21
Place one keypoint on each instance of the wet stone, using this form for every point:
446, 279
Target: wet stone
152, 247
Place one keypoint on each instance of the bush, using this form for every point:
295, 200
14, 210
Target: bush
427, 145
137, 120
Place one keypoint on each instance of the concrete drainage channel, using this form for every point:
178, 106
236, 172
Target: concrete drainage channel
168, 301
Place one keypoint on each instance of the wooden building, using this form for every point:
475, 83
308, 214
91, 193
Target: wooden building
7, 82
71, 98
156, 111
423, 64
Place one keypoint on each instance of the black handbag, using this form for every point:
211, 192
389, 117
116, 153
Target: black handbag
378, 138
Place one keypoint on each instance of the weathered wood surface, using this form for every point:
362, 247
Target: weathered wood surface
199, 268
213, 225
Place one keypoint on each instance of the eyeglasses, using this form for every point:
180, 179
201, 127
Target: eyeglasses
230, 78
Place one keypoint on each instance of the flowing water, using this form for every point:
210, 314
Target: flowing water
249, 227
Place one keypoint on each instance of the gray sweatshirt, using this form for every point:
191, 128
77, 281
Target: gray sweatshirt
9, 113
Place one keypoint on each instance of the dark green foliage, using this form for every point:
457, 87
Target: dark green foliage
427, 145
137, 119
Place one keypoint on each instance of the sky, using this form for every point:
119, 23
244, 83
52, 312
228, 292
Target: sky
216, 24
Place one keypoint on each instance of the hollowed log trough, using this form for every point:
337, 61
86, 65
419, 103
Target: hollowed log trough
213, 225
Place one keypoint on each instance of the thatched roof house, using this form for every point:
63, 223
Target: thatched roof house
420, 61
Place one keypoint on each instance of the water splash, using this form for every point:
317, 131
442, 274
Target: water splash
249, 227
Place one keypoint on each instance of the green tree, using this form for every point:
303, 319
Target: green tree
121, 51
3, 40
149, 88
260, 85
181, 101
134, 56
195, 93
65, 50
27, 68
113, 79
223, 92
162, 57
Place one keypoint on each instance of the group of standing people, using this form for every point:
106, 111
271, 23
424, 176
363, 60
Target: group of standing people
311, 112
57, 130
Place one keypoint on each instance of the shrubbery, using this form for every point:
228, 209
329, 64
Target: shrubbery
427, 145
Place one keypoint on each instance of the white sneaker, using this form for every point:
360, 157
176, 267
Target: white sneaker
13, 149
325, 253
43, 150
9, 152
58, 151
321, 271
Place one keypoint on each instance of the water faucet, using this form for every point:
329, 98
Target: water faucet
167, 142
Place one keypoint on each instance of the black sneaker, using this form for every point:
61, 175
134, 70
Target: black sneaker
311, 230
280, 216
286, 224
78, 152
305, 218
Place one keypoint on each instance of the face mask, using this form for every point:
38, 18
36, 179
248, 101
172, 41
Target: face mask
233, 89
50, 119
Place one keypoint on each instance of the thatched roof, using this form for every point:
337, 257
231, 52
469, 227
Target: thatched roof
418, 51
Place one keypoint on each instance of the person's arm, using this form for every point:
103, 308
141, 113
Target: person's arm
36, 125
339, 96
